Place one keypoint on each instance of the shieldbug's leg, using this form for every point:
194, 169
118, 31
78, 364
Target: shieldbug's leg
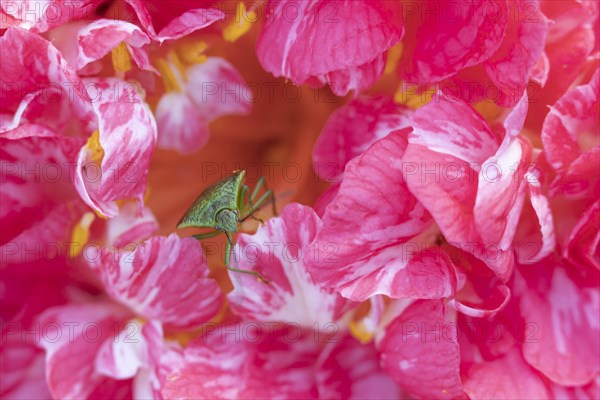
228, 247
262, 182
247, 211
267, 196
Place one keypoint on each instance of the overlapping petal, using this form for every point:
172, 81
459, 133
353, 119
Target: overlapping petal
561, 306
351, 129
95, 40
279, 251
127, 136
472, 185
40, 16
179, 26
341, 43
240, 361
453, 36
73, 335
420, 351
571, 139
508, 377
164, 278
33, 167
365, 243
211, 89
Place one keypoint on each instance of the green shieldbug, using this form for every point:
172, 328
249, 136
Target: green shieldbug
223, 207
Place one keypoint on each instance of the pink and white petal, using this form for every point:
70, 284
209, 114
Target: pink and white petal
23, 370
371, 211
189, 22
164, 278
46, 108
127, 137
349, 370
30, 62
286, 46
586, 392
99, 37
447, 187
149, 383
571, 127
373, 207
513, 123
47, 239
70, 355
510, 68
278, 251
399, 271
135, 353
583, 245
470, 34
351, 129
219, 365
450, 126
482, 294
180, 124
541, 70
545, 222
33, 167
211, 85
500, 194
129, 227
568, 314
325, 198
357, 78
41, 16
420, 351
508, 377
184, 24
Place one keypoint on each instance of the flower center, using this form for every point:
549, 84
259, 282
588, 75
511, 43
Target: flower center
94, 148
121, 59
80, 234
242, 24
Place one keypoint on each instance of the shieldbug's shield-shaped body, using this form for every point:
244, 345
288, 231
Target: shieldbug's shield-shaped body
223, 206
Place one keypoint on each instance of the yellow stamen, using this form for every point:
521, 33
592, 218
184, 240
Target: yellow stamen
80, 234
193, 52
147, 193
176, 61
488, 110
410, 96
242, 24
394, 55
360, 331
94, 148
168, 77
121, 59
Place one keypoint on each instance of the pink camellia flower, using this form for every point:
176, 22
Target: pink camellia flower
164, 280
572, 149
383, 245
432, 351
472, 180
454, 255
340, 43
103, 173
